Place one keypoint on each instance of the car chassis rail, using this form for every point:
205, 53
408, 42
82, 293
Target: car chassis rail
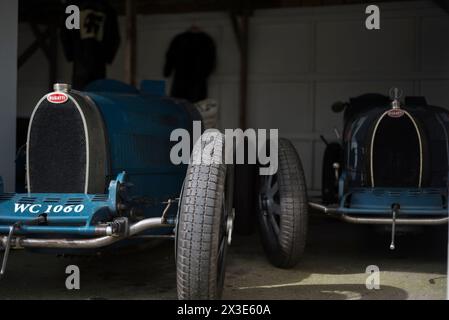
348, 216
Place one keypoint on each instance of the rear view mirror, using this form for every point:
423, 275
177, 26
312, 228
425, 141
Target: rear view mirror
339, 106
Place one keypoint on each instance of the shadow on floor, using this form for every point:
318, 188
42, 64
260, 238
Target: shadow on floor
316, 292
333, 268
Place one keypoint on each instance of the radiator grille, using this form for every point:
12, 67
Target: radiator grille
57, 149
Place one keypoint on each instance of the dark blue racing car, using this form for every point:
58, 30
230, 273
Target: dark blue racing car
391, 165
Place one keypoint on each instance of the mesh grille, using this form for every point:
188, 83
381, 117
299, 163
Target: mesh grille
396, 153
57, 149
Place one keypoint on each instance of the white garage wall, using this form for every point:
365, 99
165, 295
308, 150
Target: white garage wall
8, 85
302, 60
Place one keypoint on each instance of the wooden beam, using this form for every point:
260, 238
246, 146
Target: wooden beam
236, 28
53, 59
240, 25
41, 38
28, 53
36, 45
130, 42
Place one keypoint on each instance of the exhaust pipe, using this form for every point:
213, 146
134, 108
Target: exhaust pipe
93, 243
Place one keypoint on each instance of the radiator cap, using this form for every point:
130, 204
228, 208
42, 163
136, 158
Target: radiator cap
62, 87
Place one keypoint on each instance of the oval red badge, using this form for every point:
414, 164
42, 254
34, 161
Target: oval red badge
396, 113
57, 97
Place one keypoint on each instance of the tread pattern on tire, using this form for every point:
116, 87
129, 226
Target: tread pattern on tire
294, 209
199, 221
294, 204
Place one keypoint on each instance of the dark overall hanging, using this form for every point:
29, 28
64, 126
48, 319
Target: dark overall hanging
94, 45
191, 57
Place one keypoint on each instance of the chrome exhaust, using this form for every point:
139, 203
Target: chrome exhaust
92, 243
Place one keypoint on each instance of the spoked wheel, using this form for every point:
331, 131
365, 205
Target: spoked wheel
205, 221
269, 202
226, 229
283, 209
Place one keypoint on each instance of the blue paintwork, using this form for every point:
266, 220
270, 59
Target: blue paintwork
139, 143
110, 85
378, 201
153, 87
96, 208
138, 127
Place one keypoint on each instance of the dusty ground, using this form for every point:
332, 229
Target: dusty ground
333, 268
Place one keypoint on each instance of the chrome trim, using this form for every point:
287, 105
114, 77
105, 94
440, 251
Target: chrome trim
410, 221
92, 243
419, 140
7, 248
322, 208
378, 220
62, 87
103, 231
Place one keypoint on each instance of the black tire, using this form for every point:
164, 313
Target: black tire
245, 198
245, 195
329, 185
283, 210
201, 238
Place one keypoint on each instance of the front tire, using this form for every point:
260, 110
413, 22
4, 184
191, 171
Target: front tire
283, 209
245, 201
204, 221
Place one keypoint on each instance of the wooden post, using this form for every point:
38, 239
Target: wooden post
53, 61
244, 73
130, 43
28, 53
241, 30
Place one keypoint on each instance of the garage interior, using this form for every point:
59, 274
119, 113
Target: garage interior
280, 64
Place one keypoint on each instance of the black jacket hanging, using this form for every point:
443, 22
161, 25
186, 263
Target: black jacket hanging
94, 45
191, 56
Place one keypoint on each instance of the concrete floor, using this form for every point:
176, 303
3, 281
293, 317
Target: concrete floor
333, 268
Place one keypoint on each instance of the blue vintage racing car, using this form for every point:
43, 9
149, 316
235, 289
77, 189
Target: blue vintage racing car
100, 177
391, 165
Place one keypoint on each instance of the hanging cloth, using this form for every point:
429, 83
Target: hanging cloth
94, 45
191, 57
